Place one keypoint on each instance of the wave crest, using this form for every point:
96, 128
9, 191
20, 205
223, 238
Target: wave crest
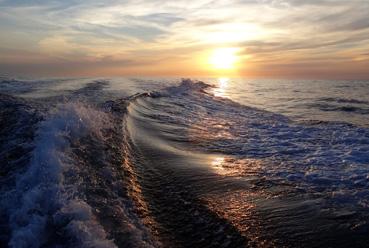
42, 190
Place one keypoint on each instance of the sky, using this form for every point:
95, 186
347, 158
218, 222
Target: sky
265, 38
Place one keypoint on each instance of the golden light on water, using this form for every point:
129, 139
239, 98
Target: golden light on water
223, 82
221, 89
231, 166
217, 162
223, 58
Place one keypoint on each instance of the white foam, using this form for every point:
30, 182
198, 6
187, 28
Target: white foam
42, 198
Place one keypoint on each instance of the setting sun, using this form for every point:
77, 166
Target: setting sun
208, 123
223, 58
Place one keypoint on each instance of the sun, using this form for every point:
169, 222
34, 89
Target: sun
223, 58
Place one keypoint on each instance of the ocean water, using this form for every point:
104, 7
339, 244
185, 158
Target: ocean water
169, 162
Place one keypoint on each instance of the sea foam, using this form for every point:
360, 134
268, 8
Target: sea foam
42, 199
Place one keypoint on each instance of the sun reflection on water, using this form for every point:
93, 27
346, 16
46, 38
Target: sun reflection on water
221, 87
239, 207
223, 82
217, 162
230, 166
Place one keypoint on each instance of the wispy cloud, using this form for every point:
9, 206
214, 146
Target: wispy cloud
130, 33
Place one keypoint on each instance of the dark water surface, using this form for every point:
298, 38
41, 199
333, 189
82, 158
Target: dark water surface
168, 163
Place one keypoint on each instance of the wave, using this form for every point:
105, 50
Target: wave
89, 90
337, 104
48, 204
341, 108
285, 160
176, 167
343, 100
15, 86
41, 192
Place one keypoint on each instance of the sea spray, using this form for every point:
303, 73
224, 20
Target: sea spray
41, 196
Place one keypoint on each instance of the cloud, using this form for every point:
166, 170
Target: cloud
125, 30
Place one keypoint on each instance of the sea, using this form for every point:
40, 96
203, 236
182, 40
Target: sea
171, 162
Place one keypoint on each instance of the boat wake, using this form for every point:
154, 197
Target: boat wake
175, 167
